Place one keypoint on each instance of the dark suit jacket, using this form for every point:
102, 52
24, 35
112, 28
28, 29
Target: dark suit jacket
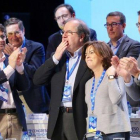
49, 72
20, 83
55, 39
36, 97
128, 47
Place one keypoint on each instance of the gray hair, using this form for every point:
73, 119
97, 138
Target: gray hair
12, 21
81, 29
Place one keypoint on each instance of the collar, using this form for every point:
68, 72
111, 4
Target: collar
119, 41
76, 53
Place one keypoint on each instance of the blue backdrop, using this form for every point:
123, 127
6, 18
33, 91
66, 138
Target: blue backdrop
94, 13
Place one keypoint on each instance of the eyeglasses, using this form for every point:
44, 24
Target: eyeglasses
138, 24
113, 24
67, 33
10, 34
2, 37
64, 16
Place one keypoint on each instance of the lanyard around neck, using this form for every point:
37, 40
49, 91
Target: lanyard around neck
92, 95
69, 73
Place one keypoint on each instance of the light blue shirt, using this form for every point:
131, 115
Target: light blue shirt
72, 60
115, 48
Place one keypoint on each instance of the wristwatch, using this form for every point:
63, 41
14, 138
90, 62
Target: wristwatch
111, 77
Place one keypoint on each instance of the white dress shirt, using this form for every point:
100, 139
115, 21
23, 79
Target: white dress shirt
72, 60
8, 72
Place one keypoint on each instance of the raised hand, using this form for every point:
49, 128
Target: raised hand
120, 71
130, 64
21, 56
115, 61
13, 58
8, 49
60, 50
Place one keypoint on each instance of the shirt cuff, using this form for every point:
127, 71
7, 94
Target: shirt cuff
130, 83
139, 77
8, 71
55, 60
20, 69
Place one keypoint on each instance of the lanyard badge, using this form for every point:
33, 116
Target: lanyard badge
93, 118
67, 93
92, 123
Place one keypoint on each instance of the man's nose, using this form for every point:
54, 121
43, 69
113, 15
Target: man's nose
64, 35
14, 35
110, 28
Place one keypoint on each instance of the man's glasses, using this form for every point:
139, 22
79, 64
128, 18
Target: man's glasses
11, 34
2, 37
113, 24
64, 16
67, 33
138, 24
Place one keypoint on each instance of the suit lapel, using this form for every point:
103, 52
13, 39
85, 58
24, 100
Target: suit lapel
60, 75
27, 45
63, 73
122, 46
81, 70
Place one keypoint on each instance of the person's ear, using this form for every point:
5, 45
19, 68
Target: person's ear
82, 36
73, 15
124, 25
24, 31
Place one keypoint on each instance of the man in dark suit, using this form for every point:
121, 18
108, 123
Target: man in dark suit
67, 72
130, 67
35, 57
13, 78
62, 13
121, 44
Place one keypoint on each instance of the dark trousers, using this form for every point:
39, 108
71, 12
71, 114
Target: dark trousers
64, 129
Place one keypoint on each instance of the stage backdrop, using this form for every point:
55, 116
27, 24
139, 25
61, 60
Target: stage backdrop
94, 13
